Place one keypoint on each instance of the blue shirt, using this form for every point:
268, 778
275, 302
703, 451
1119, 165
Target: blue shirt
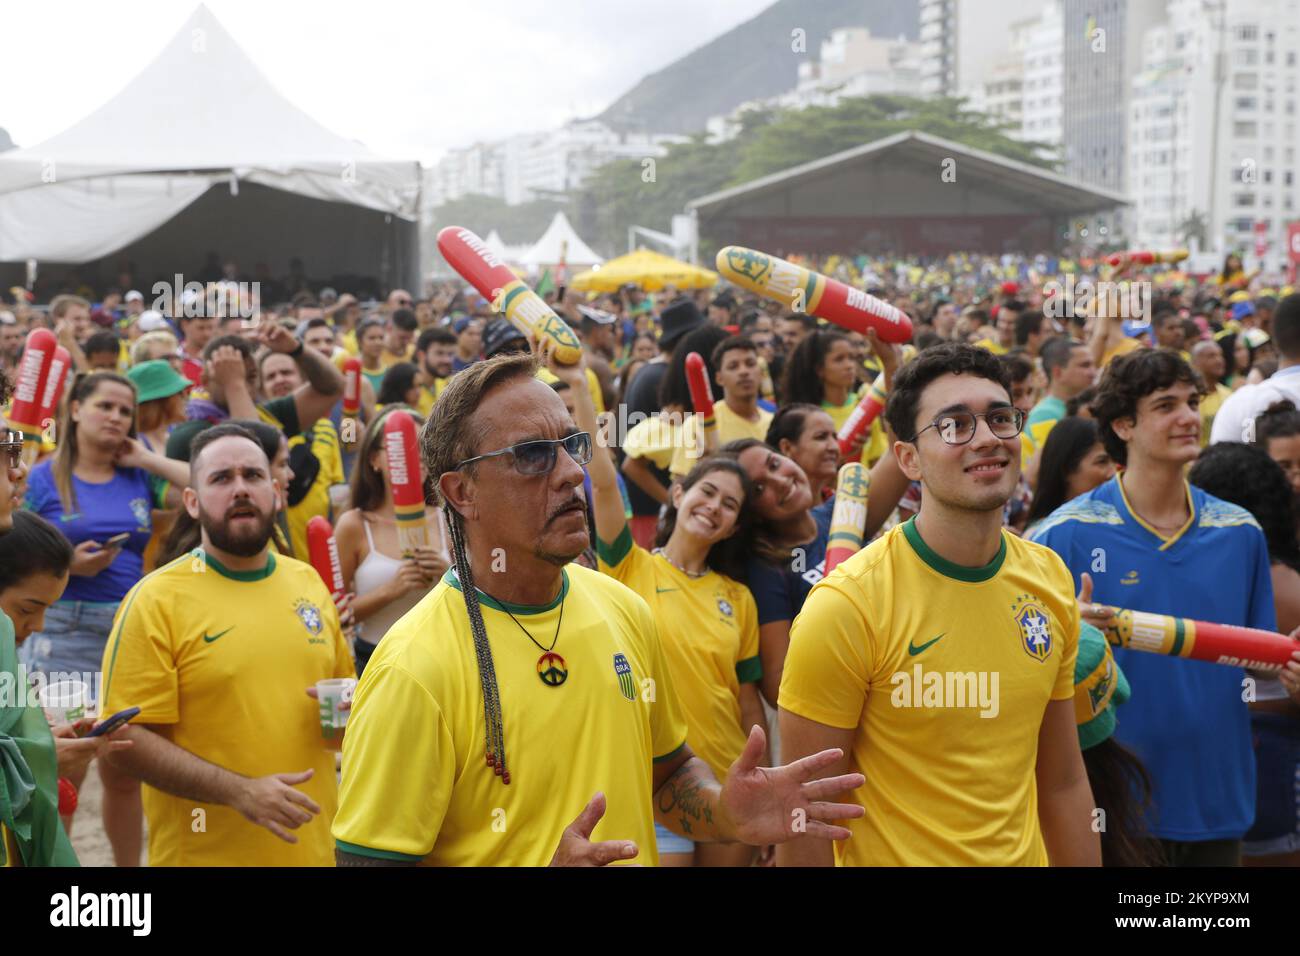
1186, 720
779, 590
103, 510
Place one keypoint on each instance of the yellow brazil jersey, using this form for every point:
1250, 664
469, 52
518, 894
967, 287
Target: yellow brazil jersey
877, 442
654, 439
350, 342
415, 784
1210, 405
993, 345
709, 630
593, 387
219, 663
325, 446
428, 396
689, 450
388, 359
1122, 347
946, 694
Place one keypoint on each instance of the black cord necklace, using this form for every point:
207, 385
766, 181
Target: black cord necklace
551, 668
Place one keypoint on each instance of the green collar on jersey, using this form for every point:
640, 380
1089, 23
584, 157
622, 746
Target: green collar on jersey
490, 601
945, 567
256, 575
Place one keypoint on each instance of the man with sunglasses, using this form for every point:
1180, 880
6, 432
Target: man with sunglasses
522, 714
940, 658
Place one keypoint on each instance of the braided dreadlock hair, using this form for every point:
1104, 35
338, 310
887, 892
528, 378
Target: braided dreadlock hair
448, 438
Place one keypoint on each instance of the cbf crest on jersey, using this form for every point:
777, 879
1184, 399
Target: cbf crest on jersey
310, 616
623, 670
1034, 625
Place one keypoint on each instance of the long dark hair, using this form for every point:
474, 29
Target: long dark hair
788, 423
32, 546
367, 483
1245, 476
398, 380
1067, 443
674, 390
1121, 789
728, 555
762, 540
799, 381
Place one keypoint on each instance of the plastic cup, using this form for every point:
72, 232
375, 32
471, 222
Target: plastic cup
64, 702
335, 698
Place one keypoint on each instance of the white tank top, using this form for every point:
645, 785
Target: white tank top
372, 573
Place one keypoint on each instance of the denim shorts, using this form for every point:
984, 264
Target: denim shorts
670, 842
1277, 785
71, 643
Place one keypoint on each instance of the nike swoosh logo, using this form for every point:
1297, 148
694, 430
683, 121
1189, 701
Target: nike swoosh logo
913, 650
659, 590
209, 639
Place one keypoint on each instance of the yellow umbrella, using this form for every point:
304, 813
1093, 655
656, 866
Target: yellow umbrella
645, 268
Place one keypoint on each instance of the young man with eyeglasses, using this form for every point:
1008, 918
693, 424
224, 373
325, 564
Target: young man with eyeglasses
522, 713
1148, 541
940, 658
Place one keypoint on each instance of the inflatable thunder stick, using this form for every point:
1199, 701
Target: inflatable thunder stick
59, 370
803, 290
404, 477
849, 519
351, 387
697, 379
467, 254
323, 551
1145, 257
868, 410
1201, 640
30, 387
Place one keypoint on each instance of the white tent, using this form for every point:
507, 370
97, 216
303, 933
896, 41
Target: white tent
200, 116
498, 247
560, 243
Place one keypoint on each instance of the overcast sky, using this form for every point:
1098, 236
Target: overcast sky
409, 78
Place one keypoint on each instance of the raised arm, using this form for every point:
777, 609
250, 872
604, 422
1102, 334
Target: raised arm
606, 499
324, 383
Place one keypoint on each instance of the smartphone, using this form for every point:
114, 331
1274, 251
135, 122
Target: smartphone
118, 540
114, 722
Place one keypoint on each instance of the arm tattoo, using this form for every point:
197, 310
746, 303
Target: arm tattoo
688, 798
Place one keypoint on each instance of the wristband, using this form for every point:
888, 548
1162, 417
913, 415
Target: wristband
297, 353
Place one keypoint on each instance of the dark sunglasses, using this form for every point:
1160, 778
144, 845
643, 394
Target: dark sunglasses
539, 457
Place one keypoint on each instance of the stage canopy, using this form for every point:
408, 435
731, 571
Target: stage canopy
909, 194
202, 121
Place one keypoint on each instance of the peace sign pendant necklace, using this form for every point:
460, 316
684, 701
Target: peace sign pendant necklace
551, 668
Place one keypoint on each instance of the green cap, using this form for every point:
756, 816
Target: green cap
1099, 686
157, 379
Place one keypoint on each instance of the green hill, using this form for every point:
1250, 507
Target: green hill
750, 61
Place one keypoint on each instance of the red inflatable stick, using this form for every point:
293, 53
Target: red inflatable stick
29, 390
1201, 641
323, 551
697, 379
58, 376
802, 290
351, 387
509, 295
868, 410
849, 519
1145, 257
404, 479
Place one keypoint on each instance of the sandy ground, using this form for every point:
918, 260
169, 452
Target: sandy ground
88, 837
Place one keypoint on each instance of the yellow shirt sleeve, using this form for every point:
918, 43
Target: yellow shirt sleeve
827, 672
396, 808
1063, 689
653, 439
140, 662
593, 386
